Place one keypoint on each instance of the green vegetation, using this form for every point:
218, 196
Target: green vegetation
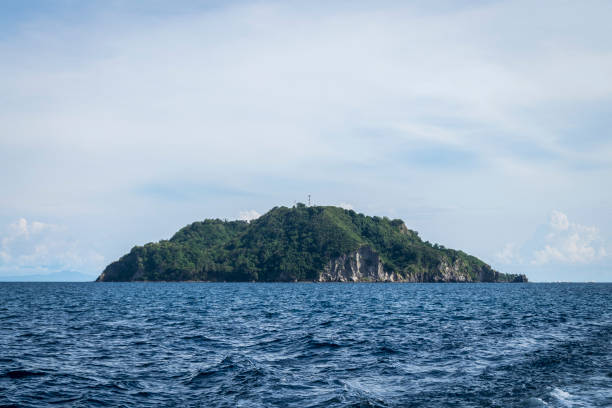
293, 244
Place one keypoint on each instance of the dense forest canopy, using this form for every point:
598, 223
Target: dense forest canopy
291, 244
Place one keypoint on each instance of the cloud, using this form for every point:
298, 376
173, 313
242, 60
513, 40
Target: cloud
129, 122
557, 245
34, 247
559, 221
346, 206
19, 227
249, 215
508, 254
23, 228
569, 242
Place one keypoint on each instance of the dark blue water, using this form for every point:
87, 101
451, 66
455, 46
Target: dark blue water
305, 345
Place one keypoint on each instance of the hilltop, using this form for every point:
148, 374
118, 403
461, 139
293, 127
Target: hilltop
319, 243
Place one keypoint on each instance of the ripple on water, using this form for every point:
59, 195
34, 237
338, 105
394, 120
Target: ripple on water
292, 345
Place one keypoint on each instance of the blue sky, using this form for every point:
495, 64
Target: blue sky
484, 125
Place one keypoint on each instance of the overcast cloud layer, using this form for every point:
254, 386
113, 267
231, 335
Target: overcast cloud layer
483, 125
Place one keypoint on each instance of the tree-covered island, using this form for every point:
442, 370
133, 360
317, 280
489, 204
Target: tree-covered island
302, 243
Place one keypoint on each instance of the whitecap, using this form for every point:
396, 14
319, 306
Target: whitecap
563, 397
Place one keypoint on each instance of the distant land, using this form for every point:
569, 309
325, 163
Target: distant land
62, 276
302, 243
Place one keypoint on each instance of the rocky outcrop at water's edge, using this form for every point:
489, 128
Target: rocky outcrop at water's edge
365, 265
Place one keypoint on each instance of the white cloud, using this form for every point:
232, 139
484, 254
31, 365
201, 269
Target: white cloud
559, 221
34, 246
221, 96
569, 242
346, 206
19, 227
331, 99
509, 254
249, 215
23, 228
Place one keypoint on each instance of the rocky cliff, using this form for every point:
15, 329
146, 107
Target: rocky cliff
362, 265
365, 265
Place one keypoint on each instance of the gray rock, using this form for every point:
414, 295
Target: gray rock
362, 265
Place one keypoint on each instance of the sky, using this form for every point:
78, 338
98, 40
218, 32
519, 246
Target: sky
484, 125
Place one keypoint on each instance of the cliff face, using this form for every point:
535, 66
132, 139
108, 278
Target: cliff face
458, 271
362, 265
365, 265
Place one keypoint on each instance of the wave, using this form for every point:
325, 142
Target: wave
18, 374
226, 345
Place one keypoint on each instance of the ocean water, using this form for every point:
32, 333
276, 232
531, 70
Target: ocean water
305, 345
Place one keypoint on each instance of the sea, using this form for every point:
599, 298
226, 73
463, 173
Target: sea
305, 345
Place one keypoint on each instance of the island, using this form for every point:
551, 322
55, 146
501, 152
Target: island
301, 244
